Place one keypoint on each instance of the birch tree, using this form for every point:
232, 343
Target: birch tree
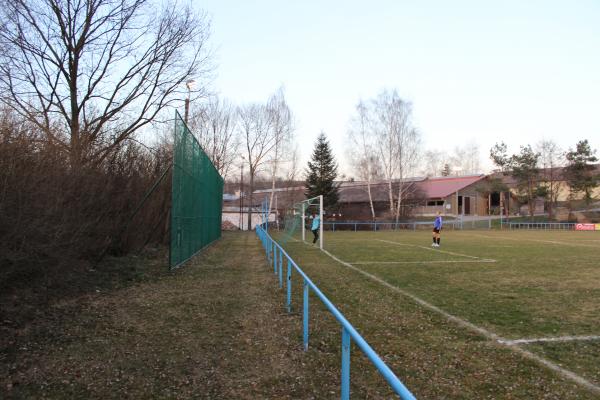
466, 158
551, 159
397, 143
434, 163
281, 124
257, 141
362, 150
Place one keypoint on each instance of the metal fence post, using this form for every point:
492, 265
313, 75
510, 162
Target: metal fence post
280, 269
345, 364
274, 259
305, 316
289, 286
349, 334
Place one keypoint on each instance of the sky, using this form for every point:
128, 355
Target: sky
475, 71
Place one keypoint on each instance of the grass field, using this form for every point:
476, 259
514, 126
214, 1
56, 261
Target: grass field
524, 307
218, 328
213, 329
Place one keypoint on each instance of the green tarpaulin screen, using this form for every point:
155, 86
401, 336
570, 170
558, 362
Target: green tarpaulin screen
196, 196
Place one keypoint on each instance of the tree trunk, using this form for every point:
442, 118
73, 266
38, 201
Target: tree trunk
531, 199
551, 202
75, 139
391, 195
399, 204
370, 199
249, 205
274, 170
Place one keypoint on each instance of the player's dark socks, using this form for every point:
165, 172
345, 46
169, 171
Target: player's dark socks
433, 240
438, 241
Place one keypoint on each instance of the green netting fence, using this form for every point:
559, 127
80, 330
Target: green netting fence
196, 195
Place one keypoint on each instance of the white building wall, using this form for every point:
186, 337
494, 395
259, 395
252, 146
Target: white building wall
234, 218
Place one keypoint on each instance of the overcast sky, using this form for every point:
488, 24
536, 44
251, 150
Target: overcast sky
480, 71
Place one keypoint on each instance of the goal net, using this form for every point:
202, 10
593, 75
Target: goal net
299, 221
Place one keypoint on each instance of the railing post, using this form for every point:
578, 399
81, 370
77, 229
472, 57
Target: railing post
274, 259
289, 286
305, 316
280, 269
345, 364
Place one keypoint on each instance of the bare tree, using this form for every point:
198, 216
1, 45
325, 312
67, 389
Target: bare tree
215, 128
382, 127
255, 124
292, 169
467, 159
551, 159
282, 126
408, 142
362, 150
397, 141
90, 73
434, 163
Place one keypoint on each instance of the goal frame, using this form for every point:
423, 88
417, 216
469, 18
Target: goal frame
308, 202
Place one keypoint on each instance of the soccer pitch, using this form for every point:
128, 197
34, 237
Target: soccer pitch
516, 313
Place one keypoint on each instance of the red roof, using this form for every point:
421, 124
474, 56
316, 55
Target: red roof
443, 187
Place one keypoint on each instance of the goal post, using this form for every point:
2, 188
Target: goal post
310, 204
321, 223
300, 215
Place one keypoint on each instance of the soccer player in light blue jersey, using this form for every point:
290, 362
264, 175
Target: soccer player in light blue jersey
437, 227
315, 227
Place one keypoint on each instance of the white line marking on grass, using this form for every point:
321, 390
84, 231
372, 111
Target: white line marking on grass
552, 339
472, 327
540, 241
459, 321
436, 250
423, 262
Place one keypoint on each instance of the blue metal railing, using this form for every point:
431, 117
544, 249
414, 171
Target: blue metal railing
275, 254
542, 225
382, 225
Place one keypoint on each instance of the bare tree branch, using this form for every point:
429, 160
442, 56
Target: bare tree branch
94, 69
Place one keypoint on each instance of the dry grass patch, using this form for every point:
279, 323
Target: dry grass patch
214, 329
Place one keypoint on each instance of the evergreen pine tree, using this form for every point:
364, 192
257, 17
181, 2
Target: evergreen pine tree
580, 171
321, 173
446, 170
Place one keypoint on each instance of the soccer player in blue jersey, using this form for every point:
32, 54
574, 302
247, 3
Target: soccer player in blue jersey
437, 227
315, 227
